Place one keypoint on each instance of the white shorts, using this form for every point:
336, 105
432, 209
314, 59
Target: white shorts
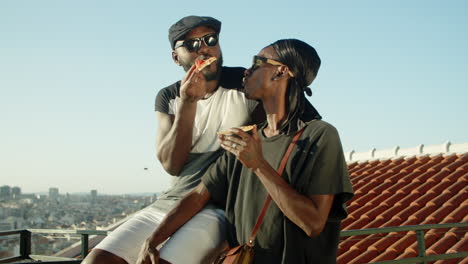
190, 244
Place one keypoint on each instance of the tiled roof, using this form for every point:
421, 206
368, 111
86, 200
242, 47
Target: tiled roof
403, 191
396, 151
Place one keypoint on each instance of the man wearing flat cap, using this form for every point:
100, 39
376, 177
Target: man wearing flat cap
189, 113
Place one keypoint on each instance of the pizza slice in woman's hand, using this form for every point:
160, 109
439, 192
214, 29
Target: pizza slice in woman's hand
244, 128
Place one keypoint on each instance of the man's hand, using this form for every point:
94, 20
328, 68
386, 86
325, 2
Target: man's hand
193, 85
148, 254
247, 148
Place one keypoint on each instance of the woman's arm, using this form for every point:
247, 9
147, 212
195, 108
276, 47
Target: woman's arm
310, 213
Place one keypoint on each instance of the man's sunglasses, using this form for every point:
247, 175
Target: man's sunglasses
258, 61
195, 44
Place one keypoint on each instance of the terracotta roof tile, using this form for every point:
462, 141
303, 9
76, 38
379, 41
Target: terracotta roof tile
388, 254
461, 245
376, 223
458, 175
457, 164
406, 201
361, 210
423, 177
448, 240
450, 261
377, 210
408, 253
359, 223
394, 186
348, 255
365, 257
352, 165
420, 215
406, 191
403, 243
457, 215
425, 196
385, 244
439, 176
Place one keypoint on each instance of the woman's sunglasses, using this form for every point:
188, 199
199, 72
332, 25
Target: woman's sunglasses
258, 61
193, 45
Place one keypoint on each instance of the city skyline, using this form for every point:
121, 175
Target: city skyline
78, 80
90, 192
62, 211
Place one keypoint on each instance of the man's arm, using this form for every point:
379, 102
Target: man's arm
174, 137
189, 206
174, 134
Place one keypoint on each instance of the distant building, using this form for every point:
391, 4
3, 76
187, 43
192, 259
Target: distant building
53, 193
5, 226
16, 192
5, 192
93, 196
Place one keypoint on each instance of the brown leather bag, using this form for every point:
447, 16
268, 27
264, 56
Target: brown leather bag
244, 254
240, 254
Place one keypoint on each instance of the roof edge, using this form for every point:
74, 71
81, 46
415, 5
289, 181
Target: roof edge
74, 250
397, 152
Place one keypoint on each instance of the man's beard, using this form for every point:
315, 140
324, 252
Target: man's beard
209, 76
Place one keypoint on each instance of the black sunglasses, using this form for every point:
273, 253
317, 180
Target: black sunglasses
258, 61
195, 44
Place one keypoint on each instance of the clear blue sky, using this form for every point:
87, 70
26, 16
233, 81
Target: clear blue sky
78, 79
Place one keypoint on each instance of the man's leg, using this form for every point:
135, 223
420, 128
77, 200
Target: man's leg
196, 240
99, 256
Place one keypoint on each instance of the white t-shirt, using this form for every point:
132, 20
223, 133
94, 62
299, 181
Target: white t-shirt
227, 107
224, 109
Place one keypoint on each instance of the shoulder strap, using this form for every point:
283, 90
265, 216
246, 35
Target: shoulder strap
268, 199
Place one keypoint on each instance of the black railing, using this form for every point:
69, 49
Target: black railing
419, 229
25, 243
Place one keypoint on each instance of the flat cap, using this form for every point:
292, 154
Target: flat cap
186, 24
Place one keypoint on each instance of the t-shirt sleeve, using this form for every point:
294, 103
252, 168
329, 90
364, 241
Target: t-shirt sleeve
216, 181
326, 171
251, 104
165, 99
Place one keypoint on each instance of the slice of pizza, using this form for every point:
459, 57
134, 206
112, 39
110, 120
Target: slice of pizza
244, 128
202, 64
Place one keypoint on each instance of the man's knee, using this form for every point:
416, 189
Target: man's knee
99, 256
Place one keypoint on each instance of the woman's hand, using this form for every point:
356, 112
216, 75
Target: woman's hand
148, 254
247, 148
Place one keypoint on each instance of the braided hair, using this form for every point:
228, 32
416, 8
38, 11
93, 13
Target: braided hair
304, 62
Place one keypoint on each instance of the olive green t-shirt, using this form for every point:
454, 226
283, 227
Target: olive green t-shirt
316, 166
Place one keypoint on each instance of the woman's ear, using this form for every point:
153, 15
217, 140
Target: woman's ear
281, 72
276, 76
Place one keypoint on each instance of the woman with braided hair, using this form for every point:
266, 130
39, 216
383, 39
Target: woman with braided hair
302, 224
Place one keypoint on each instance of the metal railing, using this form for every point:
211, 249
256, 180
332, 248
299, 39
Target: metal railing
419, 229
25, 243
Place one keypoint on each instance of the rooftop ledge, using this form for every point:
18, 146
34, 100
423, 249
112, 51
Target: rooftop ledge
446, 148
